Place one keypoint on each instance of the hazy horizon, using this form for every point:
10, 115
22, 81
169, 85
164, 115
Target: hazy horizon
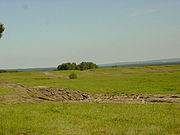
103, 64
47, 33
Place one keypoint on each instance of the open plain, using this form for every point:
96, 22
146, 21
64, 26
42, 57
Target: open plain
118, 100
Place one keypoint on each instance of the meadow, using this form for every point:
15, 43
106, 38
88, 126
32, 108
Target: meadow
128, 80
61, 118
89, 119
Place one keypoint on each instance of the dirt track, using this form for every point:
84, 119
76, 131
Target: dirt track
25, 94
89, 71
55, 75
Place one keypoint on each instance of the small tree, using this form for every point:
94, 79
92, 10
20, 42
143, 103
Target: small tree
1, 29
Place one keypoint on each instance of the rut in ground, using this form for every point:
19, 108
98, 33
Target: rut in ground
26, 94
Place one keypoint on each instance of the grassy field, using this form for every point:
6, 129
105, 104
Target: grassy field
5, 91
131, 80
89, 119
95, 118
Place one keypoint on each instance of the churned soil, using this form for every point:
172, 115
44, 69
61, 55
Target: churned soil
27, 94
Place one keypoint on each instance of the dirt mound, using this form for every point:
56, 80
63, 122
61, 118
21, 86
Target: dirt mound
25, 94
56, 94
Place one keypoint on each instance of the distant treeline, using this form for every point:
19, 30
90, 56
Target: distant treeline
8, 71
74, 66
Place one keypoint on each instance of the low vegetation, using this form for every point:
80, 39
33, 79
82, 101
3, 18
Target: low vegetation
89, 119
5, 91
73, 76
127, 80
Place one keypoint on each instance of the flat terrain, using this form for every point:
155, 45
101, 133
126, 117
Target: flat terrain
36, 103
123, 80
89, 119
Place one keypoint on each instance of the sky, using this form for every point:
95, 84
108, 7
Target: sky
45, 33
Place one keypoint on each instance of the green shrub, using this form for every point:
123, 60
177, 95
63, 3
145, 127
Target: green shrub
73, 76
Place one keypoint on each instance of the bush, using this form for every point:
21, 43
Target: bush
73, 76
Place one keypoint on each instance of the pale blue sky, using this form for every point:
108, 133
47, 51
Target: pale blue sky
45, 33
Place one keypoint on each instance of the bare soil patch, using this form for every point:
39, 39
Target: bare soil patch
26, 94
55, 75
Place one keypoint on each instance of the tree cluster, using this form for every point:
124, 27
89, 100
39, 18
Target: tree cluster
74, 66
1, 29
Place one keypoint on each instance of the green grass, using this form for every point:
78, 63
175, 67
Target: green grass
5, 91
95, 118
166, 67
135, 70
133, 80
89, 118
